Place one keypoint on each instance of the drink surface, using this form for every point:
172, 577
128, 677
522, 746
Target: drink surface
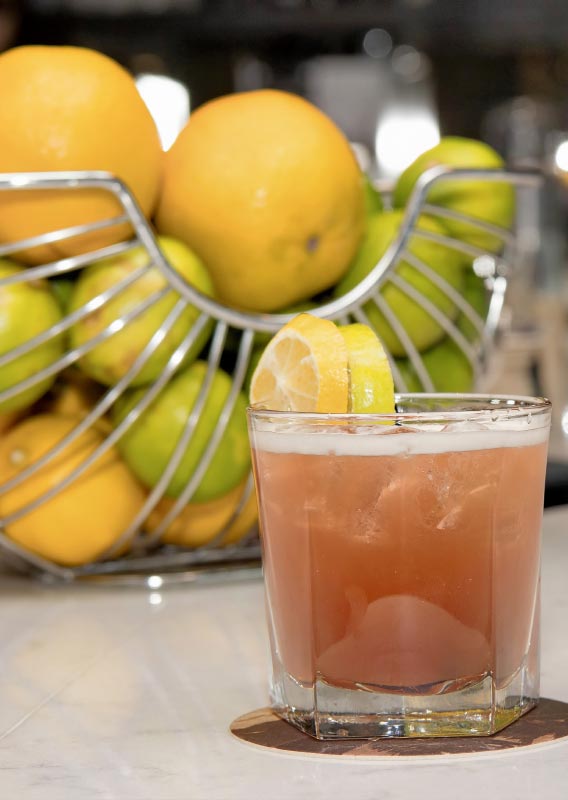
402, 561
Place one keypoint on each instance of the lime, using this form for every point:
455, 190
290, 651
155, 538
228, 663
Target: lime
490, 201
478, 297
411, 380
27, 310
371, 388
423, 330
149, 443
448, 367
111, 360
62, 289
373, 200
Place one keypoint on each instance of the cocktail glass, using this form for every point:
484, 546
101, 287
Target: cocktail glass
401, 561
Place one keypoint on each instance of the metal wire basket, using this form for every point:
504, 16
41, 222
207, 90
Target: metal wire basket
147, 559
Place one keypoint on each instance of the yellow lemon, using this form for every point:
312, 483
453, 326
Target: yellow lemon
304, 367
267, 191
81, 522
199, 523
71, 108
312, 365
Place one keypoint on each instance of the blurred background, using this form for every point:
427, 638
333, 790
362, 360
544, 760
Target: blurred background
395, 75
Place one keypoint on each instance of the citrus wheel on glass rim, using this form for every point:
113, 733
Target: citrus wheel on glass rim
311, 364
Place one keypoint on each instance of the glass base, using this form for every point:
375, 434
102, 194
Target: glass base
332, 712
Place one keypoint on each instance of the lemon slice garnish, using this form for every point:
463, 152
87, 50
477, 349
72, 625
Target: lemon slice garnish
304, 367
312, 365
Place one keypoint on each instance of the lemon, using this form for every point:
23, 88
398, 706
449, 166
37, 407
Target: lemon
267, 190
149, 443
71, 108
76, 396
198, 523
303, 368
81, 522
244, 522
8, 420
312, 365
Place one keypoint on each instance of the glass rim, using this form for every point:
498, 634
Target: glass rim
496, 405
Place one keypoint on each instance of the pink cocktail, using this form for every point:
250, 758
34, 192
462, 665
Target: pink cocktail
402, 564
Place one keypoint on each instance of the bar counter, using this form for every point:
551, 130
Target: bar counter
127, 694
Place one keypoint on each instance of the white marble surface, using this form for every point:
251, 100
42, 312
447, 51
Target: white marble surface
110, 694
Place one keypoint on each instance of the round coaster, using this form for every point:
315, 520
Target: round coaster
546, 723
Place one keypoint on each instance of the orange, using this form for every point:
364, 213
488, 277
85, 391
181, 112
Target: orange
199, 523
266, 189
70, 108
81, 522
303, 368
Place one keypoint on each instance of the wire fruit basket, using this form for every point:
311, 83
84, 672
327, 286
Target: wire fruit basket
147, 559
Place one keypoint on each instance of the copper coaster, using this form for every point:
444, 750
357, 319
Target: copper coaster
548, 722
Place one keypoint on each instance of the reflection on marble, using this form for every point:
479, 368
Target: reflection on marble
110, 694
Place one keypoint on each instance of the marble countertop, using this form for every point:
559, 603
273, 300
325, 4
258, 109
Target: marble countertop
127, 694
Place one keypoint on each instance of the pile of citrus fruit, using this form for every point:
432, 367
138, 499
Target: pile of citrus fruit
260, 204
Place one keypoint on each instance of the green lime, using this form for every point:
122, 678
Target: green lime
491, 201
423, 330
408, 373
478, 297
110, 360
62, 289
371, 388
373, 200
150, 441
448, 367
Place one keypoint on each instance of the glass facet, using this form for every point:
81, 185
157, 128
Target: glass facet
401, 560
